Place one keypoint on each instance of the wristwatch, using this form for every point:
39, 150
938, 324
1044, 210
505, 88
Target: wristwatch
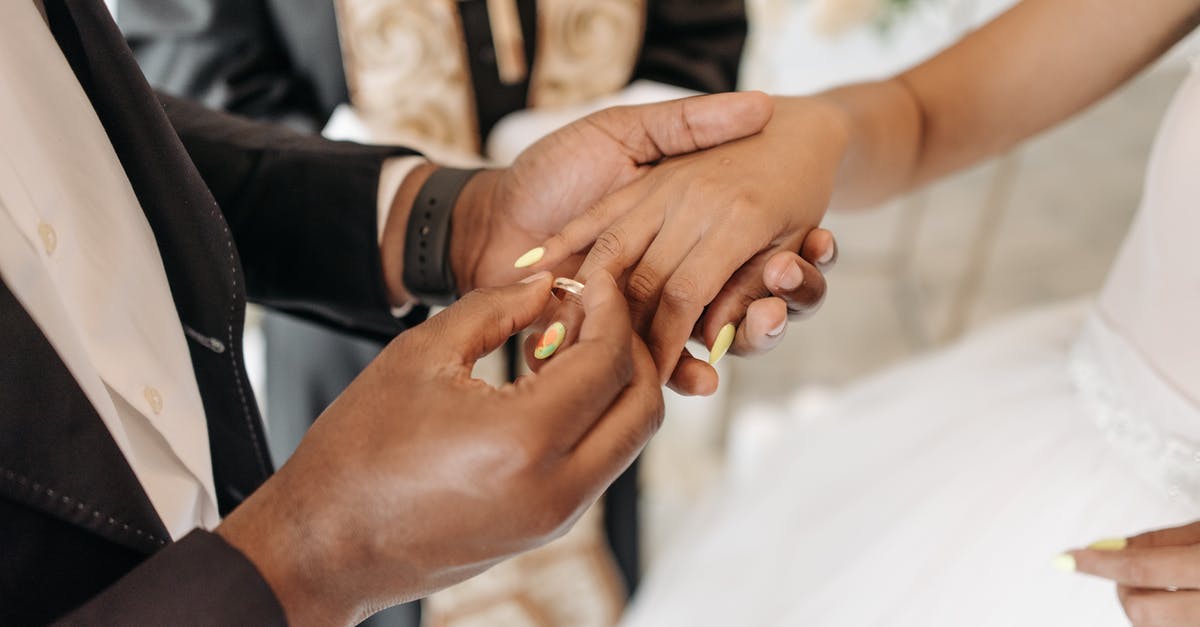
427, 272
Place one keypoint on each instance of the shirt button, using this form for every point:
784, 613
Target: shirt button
154, 399
49, 237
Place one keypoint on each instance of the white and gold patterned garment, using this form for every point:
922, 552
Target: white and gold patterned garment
571, 582
585, 49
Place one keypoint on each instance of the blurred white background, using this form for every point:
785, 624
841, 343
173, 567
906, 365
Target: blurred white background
1037, 226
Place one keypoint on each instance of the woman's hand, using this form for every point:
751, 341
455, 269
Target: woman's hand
1157, 574
715, 231
763, 304
568, 174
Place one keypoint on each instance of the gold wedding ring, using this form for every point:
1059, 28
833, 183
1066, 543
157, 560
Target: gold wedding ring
568, 285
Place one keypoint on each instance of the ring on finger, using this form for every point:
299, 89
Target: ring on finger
571, 286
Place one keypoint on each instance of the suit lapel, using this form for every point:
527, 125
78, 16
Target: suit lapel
193, 239
56, 454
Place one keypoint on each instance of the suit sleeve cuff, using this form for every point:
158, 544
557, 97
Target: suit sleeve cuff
199, 580
391, 176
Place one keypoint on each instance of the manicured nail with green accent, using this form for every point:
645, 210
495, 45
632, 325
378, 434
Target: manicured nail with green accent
1109, 544
530, 258
551, 340
721, 344
1064, 562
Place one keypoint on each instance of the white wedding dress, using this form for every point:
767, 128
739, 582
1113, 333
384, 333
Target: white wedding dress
938, 493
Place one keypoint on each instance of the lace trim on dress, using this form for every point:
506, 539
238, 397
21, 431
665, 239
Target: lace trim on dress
1130, 403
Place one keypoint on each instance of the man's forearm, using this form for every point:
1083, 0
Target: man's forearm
303, 211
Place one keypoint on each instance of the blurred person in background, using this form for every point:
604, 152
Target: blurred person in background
440, 76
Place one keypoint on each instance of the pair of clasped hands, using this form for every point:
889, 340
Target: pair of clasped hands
680, 225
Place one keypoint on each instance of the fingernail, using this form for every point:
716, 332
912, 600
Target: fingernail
721, 344
777, 331
828, 256
792, 277
551, 340
1064, 562
530, 258
535, 277
1109, 544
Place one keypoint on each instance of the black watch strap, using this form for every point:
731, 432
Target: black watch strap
427, 272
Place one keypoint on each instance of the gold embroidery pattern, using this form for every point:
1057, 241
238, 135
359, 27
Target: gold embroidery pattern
571, 582
586, 49
407, 70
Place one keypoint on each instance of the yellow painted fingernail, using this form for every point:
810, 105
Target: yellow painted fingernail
551, 340
721, 344
530, 258
1064, 562
1109, 544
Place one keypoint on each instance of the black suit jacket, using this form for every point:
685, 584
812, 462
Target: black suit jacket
236, 208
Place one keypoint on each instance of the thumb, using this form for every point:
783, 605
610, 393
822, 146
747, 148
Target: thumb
482, 320
655, 131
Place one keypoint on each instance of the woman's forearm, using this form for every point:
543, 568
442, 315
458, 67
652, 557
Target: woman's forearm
1028, 70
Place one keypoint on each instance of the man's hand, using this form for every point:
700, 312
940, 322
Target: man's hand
705, 240
505, 213
419, 476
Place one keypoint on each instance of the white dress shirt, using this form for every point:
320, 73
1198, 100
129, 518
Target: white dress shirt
77, 252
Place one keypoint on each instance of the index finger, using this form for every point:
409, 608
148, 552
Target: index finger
575, 388
613, 231
1161, 567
